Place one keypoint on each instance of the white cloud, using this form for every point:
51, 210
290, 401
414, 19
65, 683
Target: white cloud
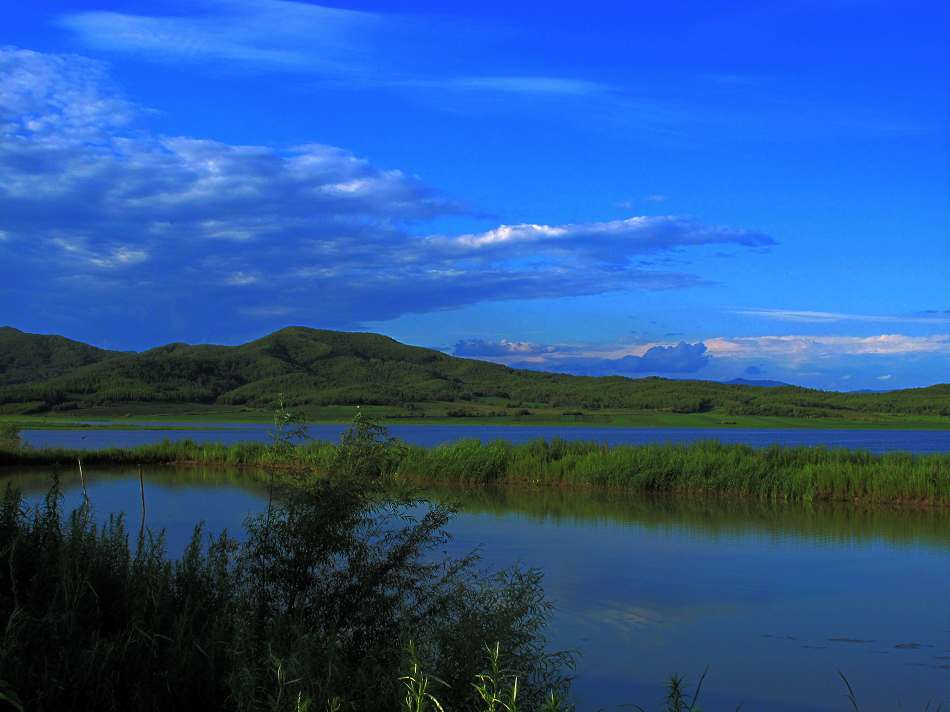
240, 279
629, 360
480, 348
802, 348
110, 257
56, 99
613, 240
337, 232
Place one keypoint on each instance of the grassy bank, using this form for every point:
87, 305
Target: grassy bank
700, 469
186, 416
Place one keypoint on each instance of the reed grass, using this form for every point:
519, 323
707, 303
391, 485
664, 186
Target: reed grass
711, 469
800, 474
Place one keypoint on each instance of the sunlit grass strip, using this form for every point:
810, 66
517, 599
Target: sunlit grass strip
800, 474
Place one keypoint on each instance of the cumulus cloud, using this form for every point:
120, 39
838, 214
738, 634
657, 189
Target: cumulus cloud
807, 360
634, 360
309, 229
682, 358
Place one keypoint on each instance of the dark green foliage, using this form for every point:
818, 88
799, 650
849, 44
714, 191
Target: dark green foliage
325, 368
366, 451
313, 610
34, 357
9, 436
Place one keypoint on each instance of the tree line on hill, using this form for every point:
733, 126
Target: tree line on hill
324, 368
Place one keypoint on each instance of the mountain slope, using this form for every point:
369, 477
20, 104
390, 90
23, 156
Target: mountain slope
31, 357
319, 368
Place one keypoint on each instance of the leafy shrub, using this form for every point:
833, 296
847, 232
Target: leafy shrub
10, 436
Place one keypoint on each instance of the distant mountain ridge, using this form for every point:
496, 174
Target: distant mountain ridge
758, 383
318, 368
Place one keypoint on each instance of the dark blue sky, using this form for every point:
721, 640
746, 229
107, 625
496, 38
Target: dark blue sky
699, 189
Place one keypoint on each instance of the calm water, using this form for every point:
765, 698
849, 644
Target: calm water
920, 441
773, 600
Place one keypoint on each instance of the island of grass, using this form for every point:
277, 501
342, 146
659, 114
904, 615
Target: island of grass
705, 469
50, 381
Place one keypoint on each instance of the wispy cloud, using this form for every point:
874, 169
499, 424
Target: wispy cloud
270, 34
614, 240
822, 317
107, 257
359, 48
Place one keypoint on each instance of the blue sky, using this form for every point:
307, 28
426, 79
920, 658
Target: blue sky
693, 189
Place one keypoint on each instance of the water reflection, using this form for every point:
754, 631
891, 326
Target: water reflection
918, 441
774, 599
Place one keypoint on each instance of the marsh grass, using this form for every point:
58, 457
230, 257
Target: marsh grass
711, 469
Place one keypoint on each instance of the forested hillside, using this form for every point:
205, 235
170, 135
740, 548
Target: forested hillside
34, 357
319, 368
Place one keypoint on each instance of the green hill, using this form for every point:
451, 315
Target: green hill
34, 357
318, 369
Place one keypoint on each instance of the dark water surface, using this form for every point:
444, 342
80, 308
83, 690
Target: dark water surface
919, 441
773, 599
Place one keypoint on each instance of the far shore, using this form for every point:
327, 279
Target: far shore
205, 418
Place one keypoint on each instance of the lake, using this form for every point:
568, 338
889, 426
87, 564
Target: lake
773, 599
919, 441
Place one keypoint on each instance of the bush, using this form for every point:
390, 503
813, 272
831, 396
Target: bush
10, 436
313, 610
